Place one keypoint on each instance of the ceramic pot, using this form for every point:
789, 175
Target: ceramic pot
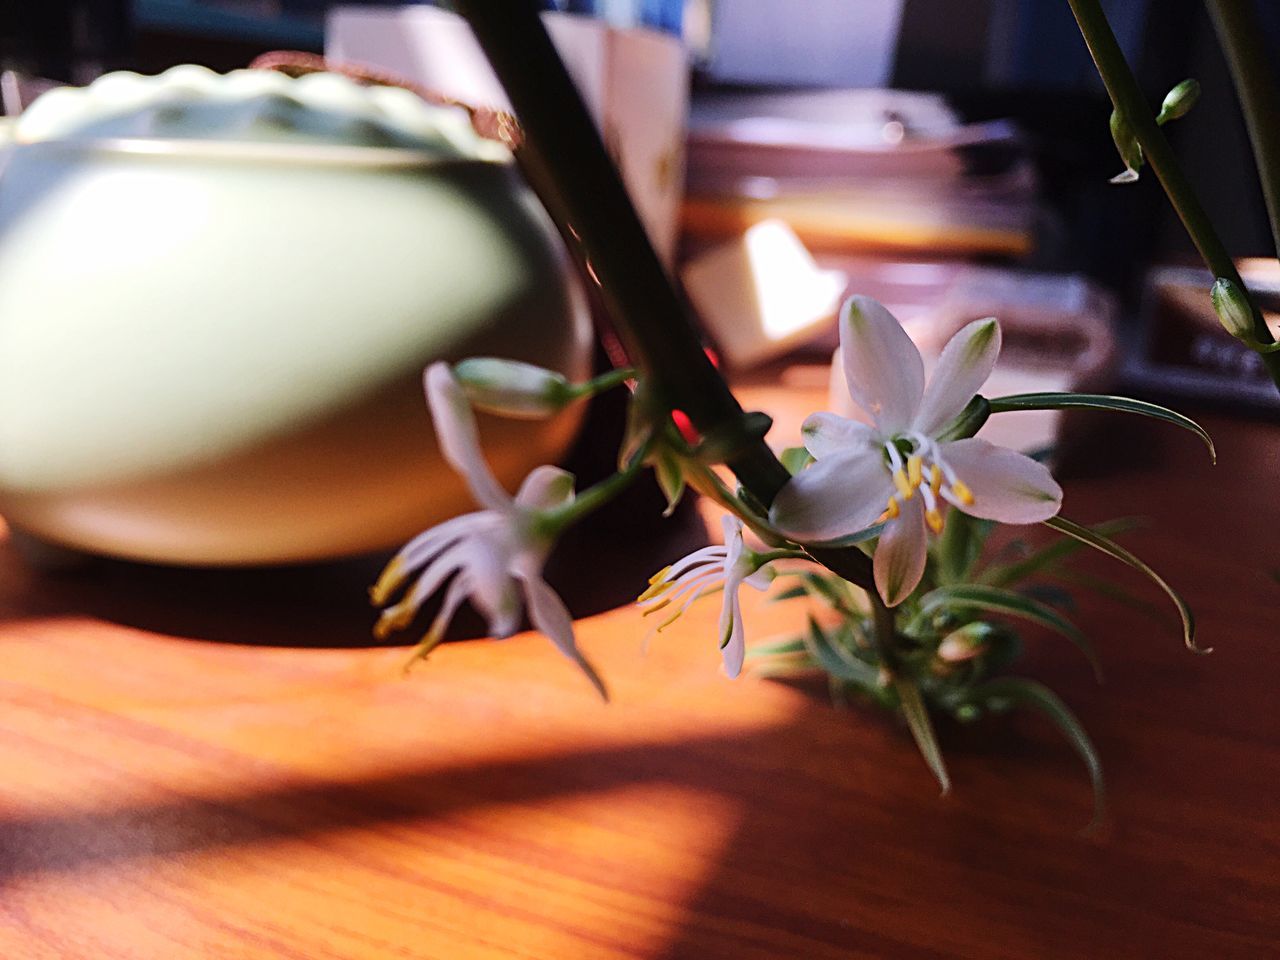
217, 297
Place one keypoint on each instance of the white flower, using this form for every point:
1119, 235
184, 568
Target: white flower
493, 557
896, 470
728, 566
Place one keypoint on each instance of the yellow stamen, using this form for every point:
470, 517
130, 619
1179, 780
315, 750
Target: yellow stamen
935, 479
654, 589
656, 607
660, 575
892, 510
962, 493
915, 470
390, 578
905, 489
393, 619
670, 620
429, 642
934, 519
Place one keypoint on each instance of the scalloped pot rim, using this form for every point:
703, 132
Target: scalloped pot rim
321, 154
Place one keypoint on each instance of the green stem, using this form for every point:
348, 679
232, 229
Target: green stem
1241, 36
606, 381
885, 633
1128, 99
566, 160
590, 500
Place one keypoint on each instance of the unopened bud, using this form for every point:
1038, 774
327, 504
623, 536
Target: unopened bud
1130, 149
510, 388
965, 643
1232, 308
1179, 101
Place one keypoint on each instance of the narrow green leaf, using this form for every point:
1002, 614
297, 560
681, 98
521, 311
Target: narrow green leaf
1100, 401
791, 593
1018, 691
959, 546
1006, 575
837, 661
777, 648
1112, 549
1111, 591
999, 600
917, 717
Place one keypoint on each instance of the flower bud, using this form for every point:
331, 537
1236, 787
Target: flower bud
1232, 307
1179, 101
965, 643
1130, 149
510, 388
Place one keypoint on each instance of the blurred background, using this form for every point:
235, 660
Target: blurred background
951, 159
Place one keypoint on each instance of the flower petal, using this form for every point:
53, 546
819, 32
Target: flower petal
458, 436
545, 489
493, 590
882, 367
733, 646
833, 498
829, 434
963, 368
900, 554
549, 617
1006, 486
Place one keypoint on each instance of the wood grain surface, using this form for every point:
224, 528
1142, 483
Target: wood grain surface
189, 772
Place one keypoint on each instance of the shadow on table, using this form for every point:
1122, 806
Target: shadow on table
598, 566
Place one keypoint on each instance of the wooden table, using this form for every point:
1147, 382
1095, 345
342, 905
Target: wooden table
167, 794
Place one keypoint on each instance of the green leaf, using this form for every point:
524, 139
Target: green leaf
1003, 692
778, 648
1008, 574
837, 661
670, 475
999, 600
1100, 401
1112, 549
917, 717
960, 545
791, 593
1120, 595
795, 459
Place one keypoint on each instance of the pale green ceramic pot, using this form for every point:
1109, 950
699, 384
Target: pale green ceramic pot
217, 297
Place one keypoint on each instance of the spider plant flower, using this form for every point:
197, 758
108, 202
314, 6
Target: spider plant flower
492, 557
717, 567
895, 470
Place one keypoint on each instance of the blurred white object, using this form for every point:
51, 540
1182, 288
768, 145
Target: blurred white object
832, 43
634, 82
762, 294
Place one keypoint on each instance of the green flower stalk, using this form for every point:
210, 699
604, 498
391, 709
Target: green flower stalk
1137, 117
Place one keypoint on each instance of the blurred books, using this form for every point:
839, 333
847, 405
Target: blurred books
859, 170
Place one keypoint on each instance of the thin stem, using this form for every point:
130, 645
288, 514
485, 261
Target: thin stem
1128, 99
1241, 36
588, 501
885, 633
566, 161
606, 381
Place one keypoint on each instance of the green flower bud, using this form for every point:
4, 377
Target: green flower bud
1179, 101
510, 388
1232, 307
1130, 149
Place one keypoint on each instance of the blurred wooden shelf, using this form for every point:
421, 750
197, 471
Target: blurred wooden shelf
165, 795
